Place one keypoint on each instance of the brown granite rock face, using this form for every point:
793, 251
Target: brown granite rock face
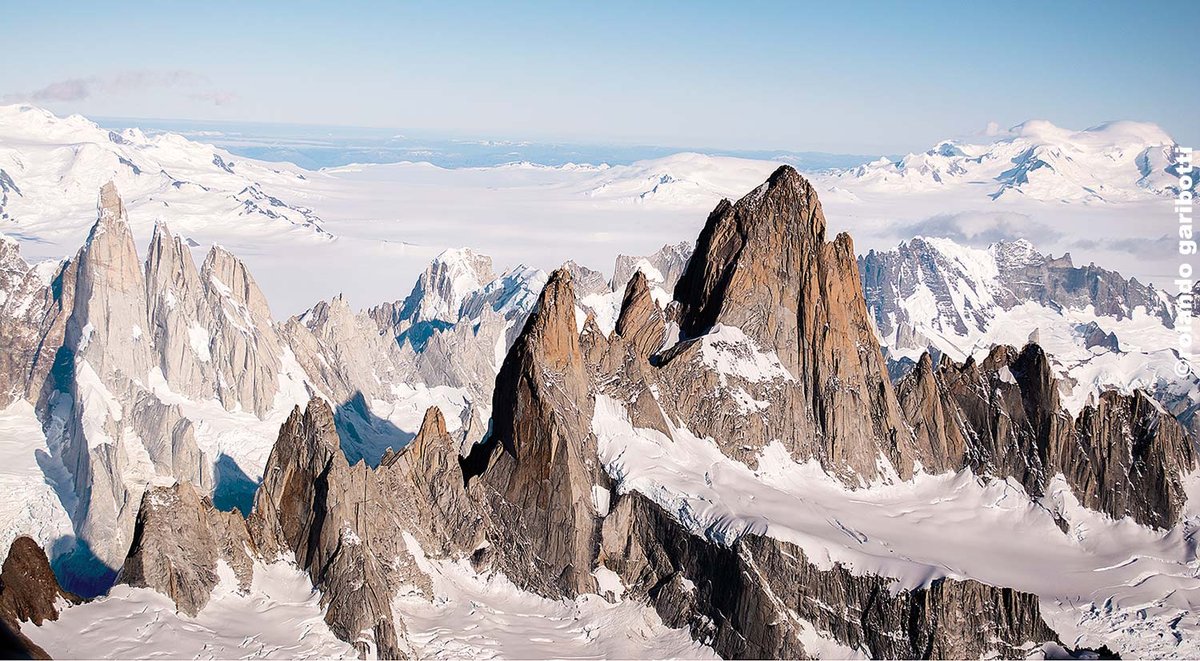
641, 321
940, 441
1128, 458
543, 467
762, 265
1003, 417
345, 525
440, 512
749, 600
331, 516
29, 591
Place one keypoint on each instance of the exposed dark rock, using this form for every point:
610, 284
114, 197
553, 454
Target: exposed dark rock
1003, 418
16, 645
763, 266
1094, 336
1023, 275
318, 507
641, 321
543, 469
29, 591
748, 600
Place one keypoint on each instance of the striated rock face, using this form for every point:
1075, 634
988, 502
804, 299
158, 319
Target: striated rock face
346, 524
777, 346
247, 352
31, 311
96, 340
756, 598
179, 317
316, 506
1129, 459
346, 359
177, 542
663, 268
29, 591
763, 267
641, 321
108, 321
440, 512
543, 468
587, 282
1126, 456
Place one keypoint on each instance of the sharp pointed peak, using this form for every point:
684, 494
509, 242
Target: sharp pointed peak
109, 203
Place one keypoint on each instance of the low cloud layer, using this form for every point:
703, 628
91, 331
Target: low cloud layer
978, 229
196, 86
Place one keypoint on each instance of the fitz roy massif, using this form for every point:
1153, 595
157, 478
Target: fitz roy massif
757, 441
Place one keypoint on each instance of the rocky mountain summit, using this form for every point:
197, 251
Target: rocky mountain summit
580, 441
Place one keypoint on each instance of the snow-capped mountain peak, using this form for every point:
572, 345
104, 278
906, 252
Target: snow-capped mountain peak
51, 168
1111, 162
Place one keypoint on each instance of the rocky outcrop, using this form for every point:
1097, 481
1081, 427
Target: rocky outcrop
29, 591
641, 321
244, 349
437, 296
763, 266
438, 510
936, 432
331, 516
543, 472
1094, 336
178, 541
1128, 458
587, 282
16, 645
1125, 456
777, 346
756, 598
92, 342
1032, 276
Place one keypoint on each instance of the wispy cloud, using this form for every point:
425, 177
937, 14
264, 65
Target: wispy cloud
1146, 248
978, 229
78, 89
215, 98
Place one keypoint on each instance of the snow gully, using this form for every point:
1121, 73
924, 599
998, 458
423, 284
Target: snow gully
1185, 310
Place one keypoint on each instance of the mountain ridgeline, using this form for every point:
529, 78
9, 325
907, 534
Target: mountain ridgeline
768, 343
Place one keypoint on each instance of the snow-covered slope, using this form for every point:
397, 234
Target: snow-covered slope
686, 179
1112, 162
1101, 330
1102, 582
159, 349
51, 168
360, 229
279, 617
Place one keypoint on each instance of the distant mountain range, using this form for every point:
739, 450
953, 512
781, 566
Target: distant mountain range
758, 443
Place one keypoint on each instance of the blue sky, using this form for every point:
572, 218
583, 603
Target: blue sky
867, 77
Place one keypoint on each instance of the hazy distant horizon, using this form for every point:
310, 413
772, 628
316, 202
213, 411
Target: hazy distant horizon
314, 146
859, 78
